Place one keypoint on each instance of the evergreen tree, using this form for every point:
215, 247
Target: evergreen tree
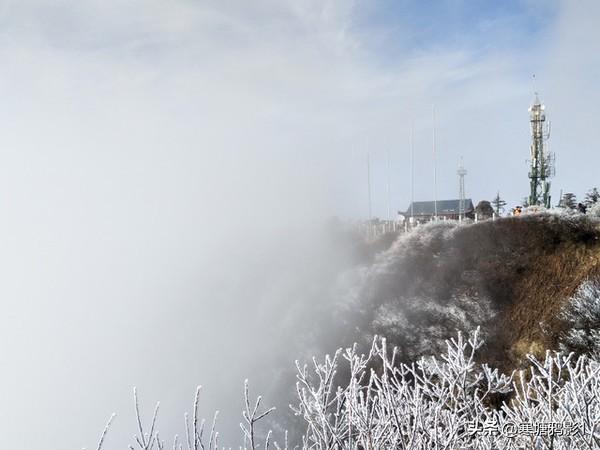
591, 197
568, 200
484, 209
498, 204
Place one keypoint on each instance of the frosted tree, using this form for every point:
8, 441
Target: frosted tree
591, 197
445, 402
582, 316
594, 210
568, 201
484, 209
370, 401
498, 203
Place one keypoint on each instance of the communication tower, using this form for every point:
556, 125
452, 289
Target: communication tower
542, 161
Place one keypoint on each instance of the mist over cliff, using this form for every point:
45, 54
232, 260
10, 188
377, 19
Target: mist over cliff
513, 277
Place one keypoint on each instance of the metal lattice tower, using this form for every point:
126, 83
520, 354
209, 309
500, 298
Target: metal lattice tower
542, 161
461, 176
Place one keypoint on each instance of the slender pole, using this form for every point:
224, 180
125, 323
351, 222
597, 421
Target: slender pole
369, 183
389, 189
434, 170
412, 172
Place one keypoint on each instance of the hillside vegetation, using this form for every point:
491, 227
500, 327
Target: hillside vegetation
512, 276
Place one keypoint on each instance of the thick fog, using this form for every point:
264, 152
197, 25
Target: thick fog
168, 169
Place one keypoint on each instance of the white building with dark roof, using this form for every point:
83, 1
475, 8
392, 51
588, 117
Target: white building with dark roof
446, 209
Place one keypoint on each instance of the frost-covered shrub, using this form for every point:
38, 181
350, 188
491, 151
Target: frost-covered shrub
429, 403
423, 324
534, 209
582, 316
594, 210
444, 402
448, 402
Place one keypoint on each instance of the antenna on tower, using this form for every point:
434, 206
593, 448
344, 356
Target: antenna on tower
542, 160
461, 189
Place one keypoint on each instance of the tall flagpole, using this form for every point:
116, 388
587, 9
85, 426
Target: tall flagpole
434, 170
369, 183
389, 189
412, 171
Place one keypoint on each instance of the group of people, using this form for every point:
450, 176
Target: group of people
518, 210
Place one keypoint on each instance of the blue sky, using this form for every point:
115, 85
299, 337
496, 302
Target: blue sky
419, 26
